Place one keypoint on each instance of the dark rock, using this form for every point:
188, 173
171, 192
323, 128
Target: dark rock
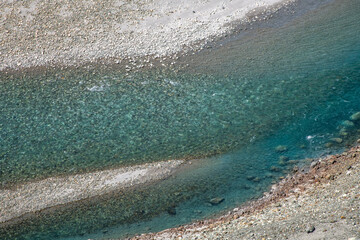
295, 169
216, 201
310, 229
171, 210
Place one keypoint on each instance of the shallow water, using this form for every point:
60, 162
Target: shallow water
291, 84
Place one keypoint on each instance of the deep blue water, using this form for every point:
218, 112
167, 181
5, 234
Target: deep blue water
291, 84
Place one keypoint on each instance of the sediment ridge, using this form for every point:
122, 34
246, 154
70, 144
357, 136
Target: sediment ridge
50, 192
74, 32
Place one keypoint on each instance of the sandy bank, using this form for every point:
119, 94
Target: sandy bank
31, 197
37, 33
322, 202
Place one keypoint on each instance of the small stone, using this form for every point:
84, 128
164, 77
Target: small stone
355, 116
313, 164
342, 217
348, 123
302, 146
337, 140
282, 163
344, 134
250, 178
216, 201
292, 162
328, 145
171, 210
330, 177
257, 179
281, 148
310, 229
283, 158
275, 169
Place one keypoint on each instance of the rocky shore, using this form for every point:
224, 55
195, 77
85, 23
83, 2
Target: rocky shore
321, 201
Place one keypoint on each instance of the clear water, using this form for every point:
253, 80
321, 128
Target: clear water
291, 84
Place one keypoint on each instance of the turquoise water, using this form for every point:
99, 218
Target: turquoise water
291, 84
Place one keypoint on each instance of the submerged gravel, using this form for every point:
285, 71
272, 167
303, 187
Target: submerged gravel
322, 202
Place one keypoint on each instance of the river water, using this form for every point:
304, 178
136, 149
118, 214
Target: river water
291, 81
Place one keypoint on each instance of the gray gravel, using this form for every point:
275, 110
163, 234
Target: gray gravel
35, 196
39, 32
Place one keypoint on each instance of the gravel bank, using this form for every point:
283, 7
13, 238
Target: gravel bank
322, 202
38, 33
35, 196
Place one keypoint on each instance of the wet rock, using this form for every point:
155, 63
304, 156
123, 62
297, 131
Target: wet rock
348, 123
216, 201
328, 145
292, 162
250, 178
257, 179
337, 140
344, 133
171, 210
355, 116
283, 158
281, 148
302, 146
314, 164
275, 169
282, 163
295, 169
310, 228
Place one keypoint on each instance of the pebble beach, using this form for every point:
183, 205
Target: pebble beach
36, 33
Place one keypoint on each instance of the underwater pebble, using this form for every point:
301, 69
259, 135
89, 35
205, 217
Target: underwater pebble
328, 145
355, 116
281, 148
337, 140
348, 123
216, 201
283, 158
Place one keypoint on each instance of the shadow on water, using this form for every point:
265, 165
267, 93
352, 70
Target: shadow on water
293, 85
